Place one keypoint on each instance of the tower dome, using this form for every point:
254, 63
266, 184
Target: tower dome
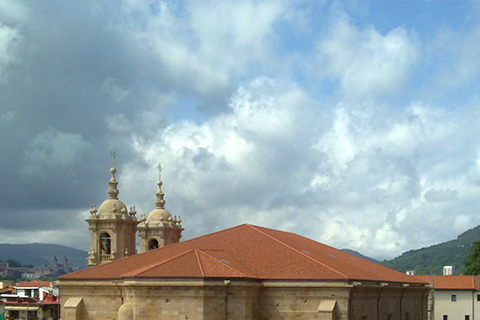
160, 228
159, 214
112, 206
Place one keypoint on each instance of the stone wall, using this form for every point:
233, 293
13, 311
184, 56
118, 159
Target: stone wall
389, 302
239, 300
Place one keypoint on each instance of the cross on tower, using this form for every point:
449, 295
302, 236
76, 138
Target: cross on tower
159, 167
113, 156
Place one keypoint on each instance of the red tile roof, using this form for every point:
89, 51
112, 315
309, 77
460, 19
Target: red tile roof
248, 252
452, 282
33, 284
8, 289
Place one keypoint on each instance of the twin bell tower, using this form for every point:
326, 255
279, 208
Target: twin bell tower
113, 228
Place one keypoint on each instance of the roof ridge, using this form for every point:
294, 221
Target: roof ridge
199, 262
206, 235
150, 266
297, 251
226, 265
233, 256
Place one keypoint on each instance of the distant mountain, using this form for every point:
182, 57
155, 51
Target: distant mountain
432, 259
358, 254
39, 254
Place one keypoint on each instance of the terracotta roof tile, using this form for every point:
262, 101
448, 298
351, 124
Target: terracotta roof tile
33, 284
451, 282
246, 251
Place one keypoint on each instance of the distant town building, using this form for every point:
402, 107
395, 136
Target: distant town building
447, 270
453, 297
31, 300
54, 270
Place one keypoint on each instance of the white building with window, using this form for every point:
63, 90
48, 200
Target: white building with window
454, 297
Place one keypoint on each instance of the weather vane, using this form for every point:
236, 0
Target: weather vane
159, 167
113, 156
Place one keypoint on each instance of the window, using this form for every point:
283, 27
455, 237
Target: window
478, 297
454, 297
445, 317
467, 317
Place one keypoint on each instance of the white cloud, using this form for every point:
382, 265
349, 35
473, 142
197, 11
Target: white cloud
366, 62
363, 184
12, 14
9, 38
209, 43
13, 11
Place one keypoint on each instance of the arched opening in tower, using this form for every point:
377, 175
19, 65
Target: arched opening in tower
105, 243
152, 244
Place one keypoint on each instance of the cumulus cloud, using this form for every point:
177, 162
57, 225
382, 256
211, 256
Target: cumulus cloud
366, 62
278, 160
363, 184
208, 44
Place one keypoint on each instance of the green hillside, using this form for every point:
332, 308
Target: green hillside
432, 259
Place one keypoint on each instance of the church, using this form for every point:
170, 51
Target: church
245, 272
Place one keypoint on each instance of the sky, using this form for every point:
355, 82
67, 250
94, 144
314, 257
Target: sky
354, 123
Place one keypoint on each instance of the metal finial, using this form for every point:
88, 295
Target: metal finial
113, 156
159, 167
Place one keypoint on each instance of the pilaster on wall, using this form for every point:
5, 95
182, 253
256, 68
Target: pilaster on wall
72, 309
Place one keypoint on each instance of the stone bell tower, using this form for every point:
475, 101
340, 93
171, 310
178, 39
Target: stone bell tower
112, 227
159, 228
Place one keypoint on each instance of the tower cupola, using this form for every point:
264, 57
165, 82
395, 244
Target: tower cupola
112, 227
160, 228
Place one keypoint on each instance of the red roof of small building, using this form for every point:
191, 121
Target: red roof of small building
452, 282
33, 284
248, 252
8, 289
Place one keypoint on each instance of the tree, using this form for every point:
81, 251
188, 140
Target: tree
472, 266
13, 263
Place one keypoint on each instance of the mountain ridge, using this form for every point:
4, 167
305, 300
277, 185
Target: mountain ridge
40, 254
431, 260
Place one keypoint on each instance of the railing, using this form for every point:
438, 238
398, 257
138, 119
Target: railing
105, 257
